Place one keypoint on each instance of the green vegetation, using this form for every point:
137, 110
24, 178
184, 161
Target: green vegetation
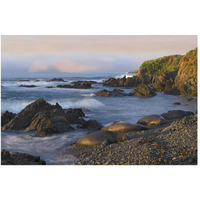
166, 63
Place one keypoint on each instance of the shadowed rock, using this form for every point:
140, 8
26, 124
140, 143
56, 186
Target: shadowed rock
114, 93
91, 125
123, 127
28, 86
41, 117
56, 80
151, 120
173, 114
6, 117
77, 85
100, 137
16, 158
74, 115
144, 91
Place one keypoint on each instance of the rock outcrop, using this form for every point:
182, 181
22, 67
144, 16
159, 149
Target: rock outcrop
6, 117
114, 93
77, 85
56, 80
41, 117
16, 158
144, 91
176, 74
186, 79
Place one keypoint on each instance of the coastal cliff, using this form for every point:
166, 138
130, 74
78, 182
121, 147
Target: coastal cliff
175, 74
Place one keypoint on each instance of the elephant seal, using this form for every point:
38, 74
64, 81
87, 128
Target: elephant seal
151, 120
123, 127
100, 137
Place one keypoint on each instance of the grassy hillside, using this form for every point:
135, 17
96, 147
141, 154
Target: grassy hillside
166, 63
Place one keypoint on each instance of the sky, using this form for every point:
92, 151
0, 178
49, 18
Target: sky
84, 54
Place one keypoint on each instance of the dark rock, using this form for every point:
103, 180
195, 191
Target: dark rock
144, 91
176, 103
74, 115
77, 85
25, 80
114, 93
91, 125
173, 91
189, 99
28, 86
6, 117
123, 127
16, 158
49, 87
41, 117
173, 114
151, 120
123, 82
56, 80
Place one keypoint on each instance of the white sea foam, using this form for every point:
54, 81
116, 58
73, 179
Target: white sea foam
127, 75
74, 103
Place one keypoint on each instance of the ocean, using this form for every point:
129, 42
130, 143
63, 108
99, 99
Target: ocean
102, 109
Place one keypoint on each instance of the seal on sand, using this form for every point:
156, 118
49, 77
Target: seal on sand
123, 127
100, 137
152, 120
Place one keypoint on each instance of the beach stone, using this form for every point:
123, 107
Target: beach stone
16, 158
123, 127
6, 117
173, 114
151, 120
100, 137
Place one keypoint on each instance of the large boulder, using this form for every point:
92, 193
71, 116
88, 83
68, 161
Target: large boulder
16, 158
91, 125
152, 120
6, 117
174, 114
100, 137
144, 91
41, 117
123, 127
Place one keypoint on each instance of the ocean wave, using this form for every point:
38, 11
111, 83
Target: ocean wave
84, 103
127, 75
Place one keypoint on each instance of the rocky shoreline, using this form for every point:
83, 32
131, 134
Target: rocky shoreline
173, 143
166, 139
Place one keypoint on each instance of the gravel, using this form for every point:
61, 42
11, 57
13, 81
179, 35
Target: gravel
174, 143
